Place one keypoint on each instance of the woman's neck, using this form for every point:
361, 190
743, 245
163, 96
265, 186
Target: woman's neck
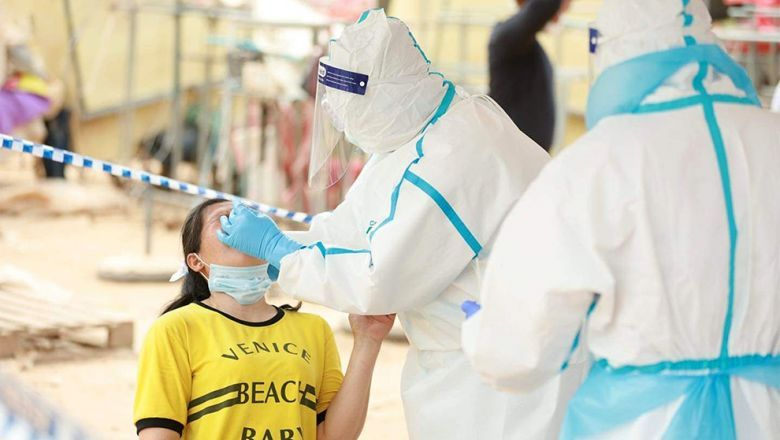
257, 312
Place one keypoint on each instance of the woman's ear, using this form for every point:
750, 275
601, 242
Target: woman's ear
195, 263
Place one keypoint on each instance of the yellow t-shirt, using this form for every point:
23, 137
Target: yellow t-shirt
208, 375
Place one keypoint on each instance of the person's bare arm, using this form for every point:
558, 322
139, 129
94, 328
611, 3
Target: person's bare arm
347, 411
158, 434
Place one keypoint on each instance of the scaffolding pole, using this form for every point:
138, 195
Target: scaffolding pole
174, 139
128, 117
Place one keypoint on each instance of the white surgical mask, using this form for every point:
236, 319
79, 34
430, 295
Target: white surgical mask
247, 285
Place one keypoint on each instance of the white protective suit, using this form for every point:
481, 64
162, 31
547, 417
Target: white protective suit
415, 226
657, 234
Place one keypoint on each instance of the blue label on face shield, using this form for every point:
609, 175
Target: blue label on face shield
593, 40
340, 79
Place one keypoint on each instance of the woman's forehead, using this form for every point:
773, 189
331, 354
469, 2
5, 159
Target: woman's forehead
217, 210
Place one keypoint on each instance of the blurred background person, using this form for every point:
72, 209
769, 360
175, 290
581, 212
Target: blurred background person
718, 9
31, 101
23, 96
521, 76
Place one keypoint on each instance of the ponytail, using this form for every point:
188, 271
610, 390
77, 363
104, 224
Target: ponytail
194, 289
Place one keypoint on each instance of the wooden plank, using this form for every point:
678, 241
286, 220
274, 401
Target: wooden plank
75, 311
92, 336
120, 335
8, 327
114, 336
9, 345
51, 316
33, 306
24, 322
22, 313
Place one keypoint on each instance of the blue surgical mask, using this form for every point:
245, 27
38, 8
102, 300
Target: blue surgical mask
247, 285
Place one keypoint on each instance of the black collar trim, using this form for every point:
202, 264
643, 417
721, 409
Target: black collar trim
279, 315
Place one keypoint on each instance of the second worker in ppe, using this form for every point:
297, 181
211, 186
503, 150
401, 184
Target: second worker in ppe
656, 234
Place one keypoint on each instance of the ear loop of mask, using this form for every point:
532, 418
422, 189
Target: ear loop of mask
201, 260
184, 269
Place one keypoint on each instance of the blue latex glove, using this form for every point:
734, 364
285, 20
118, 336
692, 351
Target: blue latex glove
273, 273
255, 234
470, 308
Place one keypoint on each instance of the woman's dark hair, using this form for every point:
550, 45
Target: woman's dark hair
195, 288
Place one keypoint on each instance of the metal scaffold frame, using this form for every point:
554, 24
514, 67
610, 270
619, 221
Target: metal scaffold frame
177, 9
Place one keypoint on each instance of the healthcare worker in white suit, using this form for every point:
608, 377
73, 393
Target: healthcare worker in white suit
657, 234
413, 230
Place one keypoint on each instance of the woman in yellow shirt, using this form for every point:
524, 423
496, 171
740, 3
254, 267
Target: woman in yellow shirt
222, 363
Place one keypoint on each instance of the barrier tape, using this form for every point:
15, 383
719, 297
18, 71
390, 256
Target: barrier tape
81, 161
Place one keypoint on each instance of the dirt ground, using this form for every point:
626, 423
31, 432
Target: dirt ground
95, 386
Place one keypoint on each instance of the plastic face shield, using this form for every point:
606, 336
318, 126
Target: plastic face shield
330, 149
